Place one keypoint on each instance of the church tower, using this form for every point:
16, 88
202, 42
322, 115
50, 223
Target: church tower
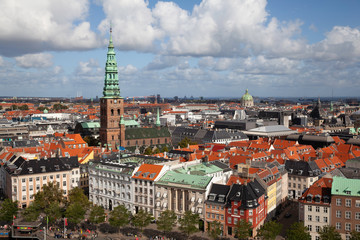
112, 130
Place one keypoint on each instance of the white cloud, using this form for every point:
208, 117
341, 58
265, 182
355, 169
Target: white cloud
37, 60
226, 28
341, 43
37, 25
132, 23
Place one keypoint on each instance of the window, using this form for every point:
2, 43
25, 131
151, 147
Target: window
64, 175
229, 219
357, 215
347, 226
37, 178
235, 220
23, 188
309, 228
64, 183
208, 215
317, 209
357, 227
325, 209
229, 210
317, 228
23, 180
51, 177
44, 178
338, 214
347, 202
338, 226
347, 215
357, 203
317, 218
309, 208
325, 219
309, 218
57, 175
338, 202
235, 211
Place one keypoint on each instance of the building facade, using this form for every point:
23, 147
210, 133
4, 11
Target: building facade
24, 178
345, 205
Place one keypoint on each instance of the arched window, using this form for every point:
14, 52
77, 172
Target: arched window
112, 137
112, 112
118, 112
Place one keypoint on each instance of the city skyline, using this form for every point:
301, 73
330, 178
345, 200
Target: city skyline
206, 48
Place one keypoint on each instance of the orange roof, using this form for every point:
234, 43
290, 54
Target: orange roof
236, 179
148, 172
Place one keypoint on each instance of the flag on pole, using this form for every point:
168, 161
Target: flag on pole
65, 220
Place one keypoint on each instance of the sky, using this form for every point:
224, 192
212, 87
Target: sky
208, 48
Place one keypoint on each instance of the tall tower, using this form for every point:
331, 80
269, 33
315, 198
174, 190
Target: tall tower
112, 130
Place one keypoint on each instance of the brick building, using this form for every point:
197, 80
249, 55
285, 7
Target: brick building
345, 205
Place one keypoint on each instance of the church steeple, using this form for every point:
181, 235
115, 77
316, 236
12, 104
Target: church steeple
158, 118
111, 87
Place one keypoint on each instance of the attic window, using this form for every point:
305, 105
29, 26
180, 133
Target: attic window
137, 173
347, 192
221, 198
57, 168
30, 170
43, 169
212, 196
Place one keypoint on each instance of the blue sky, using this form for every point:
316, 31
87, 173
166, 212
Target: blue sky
194, 48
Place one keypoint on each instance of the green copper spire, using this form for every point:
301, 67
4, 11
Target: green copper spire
158, 118
122, 122
111, 88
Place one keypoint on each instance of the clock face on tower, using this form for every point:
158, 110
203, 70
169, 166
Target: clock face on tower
115, 101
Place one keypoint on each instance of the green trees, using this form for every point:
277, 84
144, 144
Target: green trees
270, 230
185, 142
58, 106
148, 151
354, 235
24, 107
141, 219
75, 212
8, 210
166, 221
298, 231
165, 149
42, 108
97, 214
215, 230
243, 229
189, 223
48, 201
119, 217
329, 233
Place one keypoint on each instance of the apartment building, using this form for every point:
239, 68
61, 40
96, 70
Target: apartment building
314, 207
24, 178
345, 205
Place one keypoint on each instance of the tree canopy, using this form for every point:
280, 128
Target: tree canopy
329, 233
8, 210
97, 214
185, 142
298, 231
243, 229
166, 221
141, 219
215, 230
76, 195
119, 216
189, 223
270, 230
75, 212
354, 235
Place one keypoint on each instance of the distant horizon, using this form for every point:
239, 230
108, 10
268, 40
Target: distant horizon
175, 48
